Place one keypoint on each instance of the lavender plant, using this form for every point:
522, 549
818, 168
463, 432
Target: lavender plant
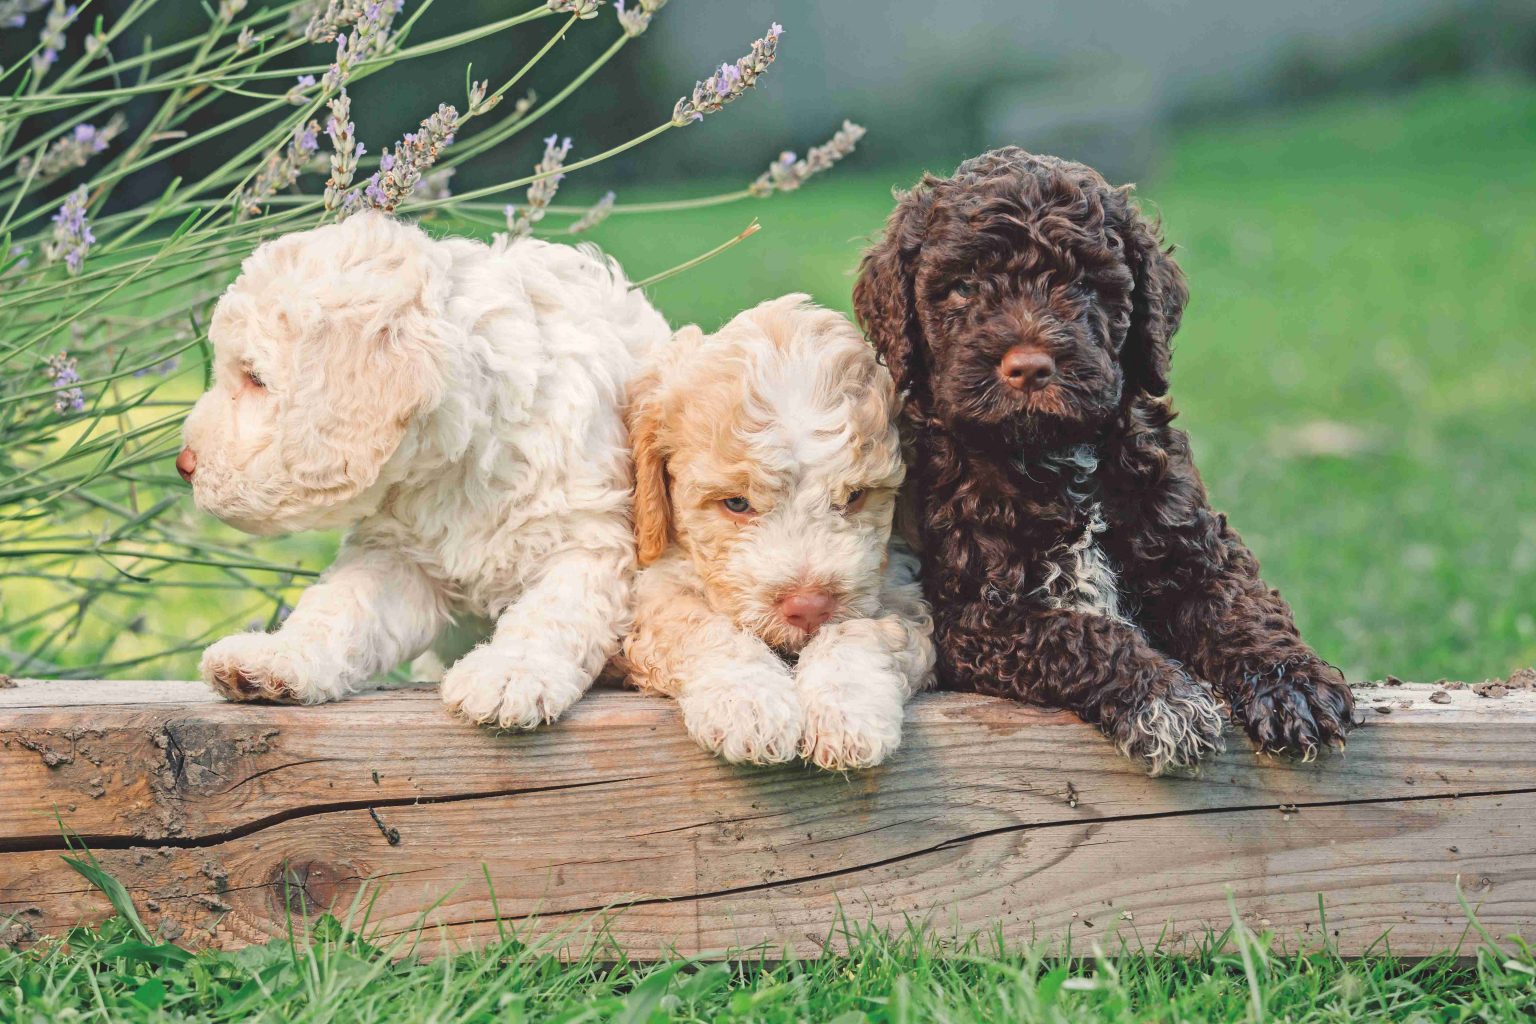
105, 299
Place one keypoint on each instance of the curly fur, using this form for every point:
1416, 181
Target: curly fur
459, 408
785, 406
1032, 506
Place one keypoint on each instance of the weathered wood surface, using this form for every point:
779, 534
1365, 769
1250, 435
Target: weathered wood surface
228, 821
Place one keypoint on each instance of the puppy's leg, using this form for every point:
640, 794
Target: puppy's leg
370, 611
549, 645
1204, 603
1235, 631
737, 697
855, 677
1100, 668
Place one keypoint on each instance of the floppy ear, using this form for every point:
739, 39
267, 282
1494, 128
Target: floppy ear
883, 297
350, 416
1157, 302
646, 418
653, 505
371, 340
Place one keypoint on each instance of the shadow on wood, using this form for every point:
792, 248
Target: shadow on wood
228, 821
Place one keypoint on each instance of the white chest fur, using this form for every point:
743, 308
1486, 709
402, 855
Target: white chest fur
1079, 575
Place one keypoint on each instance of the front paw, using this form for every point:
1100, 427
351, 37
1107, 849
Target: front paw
747, 714
1174, 729
265, 667
1298, 709
513, 690
853, 713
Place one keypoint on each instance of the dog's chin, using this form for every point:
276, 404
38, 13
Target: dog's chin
1041, 421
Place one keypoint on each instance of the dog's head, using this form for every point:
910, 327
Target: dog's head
1025, 296
324, 350
768, 453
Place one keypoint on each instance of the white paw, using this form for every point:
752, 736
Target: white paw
849, 722
744, 713
265, 667
512, 690
1175, 731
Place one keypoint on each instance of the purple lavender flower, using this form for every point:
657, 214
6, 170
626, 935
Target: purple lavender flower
60, 17
338, 15
730, 81
400, 169
595, 215
72, 237
64, 376
371, 24
634, 21
13, 13
281, 169
542, 192
160, 369
72, 151
345, 151
787, 174
581, 8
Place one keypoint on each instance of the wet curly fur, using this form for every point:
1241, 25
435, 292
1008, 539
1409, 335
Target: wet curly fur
1070, 553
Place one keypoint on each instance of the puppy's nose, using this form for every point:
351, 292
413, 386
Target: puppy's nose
1026, 369
807, 609
186, 464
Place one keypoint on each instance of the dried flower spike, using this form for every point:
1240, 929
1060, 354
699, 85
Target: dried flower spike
63, 374
479, 101
437, 185
635, 20
595, 215
542, 192
729, 81
583, 9
401, 169
787, 174
72, 238
345, 151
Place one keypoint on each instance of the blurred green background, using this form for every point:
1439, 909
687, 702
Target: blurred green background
1350, 187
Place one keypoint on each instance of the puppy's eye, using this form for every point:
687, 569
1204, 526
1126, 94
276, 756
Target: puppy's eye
254, 380
737, 506
962, 289
854, 503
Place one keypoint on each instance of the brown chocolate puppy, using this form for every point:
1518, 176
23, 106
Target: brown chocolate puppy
1070, 553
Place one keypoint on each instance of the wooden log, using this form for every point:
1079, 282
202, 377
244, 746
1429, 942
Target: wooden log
229, 823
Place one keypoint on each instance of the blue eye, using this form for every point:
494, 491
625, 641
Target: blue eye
737, 506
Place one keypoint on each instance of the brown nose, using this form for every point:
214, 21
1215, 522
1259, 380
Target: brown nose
1026, 369
807, 609
186, 464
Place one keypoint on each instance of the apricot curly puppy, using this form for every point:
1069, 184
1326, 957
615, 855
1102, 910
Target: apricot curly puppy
459, 407
1028, 309
766, 463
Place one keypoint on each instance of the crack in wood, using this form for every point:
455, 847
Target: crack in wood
115, 842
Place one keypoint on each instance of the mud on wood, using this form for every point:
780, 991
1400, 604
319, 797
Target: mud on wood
228, 823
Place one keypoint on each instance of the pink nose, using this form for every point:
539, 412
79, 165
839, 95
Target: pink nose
186, 464
807, 609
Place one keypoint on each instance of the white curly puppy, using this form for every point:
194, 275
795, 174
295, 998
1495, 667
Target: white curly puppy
459, 406
771, 607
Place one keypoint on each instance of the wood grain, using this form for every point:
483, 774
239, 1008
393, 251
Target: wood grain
228, 822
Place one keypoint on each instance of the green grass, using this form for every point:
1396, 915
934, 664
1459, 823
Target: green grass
119, 973
1356, 367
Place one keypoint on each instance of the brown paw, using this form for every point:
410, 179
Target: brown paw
1298, 710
